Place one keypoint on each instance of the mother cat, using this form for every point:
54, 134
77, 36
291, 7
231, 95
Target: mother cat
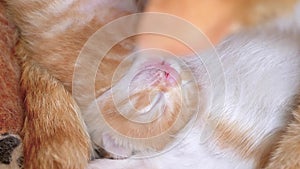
51, 36
53, 32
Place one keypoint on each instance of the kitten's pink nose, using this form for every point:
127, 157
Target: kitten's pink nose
166, 75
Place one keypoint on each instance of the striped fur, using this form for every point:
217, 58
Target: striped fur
51, 36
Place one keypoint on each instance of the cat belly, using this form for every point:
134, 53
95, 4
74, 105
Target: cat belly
262, 79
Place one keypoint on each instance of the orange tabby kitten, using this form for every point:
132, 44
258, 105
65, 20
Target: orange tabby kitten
262, 68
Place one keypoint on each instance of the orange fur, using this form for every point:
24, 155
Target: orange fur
11, 109
159, 130
287, 152
53, 124
54, 133
11, 104
230, 136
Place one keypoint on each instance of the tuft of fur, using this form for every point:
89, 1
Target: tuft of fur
287, 152
11, 108
54, 133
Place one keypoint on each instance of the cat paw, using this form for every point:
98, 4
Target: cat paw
110, 149
11, 153
56, 153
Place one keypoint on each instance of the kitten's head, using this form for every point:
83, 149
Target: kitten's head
150, 103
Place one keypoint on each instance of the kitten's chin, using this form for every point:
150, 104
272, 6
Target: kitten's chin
151, 112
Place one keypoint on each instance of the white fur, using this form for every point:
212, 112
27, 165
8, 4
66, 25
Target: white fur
262, 77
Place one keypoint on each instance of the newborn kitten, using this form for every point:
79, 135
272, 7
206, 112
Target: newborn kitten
145, 110
261, 69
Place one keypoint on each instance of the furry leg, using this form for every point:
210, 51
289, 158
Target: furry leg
54, 133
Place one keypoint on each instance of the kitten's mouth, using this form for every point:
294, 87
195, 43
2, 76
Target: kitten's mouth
165, 73
150, 90
159, 75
